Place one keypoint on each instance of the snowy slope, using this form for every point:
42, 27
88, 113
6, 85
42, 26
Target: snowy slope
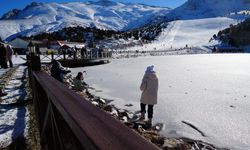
198, 21
194, 9
49, 17
193, 33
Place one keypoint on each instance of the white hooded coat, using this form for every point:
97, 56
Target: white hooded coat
149, 88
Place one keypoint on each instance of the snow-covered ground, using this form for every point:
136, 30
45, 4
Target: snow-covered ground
211, 92
13, 118
193, 33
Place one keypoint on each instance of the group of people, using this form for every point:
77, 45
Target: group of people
6, 54
149, 87
58, 72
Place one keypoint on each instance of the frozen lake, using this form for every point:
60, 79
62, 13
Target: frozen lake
211, 92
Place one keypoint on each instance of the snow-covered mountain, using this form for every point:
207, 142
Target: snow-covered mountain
197, 9
104, 14
195, 22
11, 14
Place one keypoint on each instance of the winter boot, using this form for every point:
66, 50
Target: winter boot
142, 116
149, 122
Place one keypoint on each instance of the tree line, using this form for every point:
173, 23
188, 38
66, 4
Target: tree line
236, 35
83, 34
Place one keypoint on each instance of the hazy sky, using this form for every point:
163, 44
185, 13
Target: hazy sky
6, 5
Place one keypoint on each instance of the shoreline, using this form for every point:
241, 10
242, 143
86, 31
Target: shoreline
150, 133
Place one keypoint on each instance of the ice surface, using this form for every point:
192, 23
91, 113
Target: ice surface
211, 92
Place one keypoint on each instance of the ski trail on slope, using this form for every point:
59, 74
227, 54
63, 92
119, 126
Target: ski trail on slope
168, 36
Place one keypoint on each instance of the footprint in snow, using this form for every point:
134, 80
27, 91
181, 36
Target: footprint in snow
129, 105
232, 106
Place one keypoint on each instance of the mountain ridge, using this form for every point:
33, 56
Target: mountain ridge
48, 17
197, 9
37, 18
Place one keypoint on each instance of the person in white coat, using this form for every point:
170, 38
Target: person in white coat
149, 88
9, 55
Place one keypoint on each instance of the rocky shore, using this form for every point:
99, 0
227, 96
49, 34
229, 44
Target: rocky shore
151, 133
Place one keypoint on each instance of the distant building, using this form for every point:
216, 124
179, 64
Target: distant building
71, 44
20, 45
64, 46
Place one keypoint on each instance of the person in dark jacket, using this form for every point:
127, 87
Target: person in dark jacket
58, 71
83, 52
3, 56
79, 83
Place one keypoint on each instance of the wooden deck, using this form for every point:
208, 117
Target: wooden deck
83, 62
77, 60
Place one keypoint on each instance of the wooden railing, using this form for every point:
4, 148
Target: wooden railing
63, 56
68, 121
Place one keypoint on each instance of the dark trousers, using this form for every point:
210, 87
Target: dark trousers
150, 110
10, 63
3, 64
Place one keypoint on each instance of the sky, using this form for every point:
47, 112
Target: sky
6, 5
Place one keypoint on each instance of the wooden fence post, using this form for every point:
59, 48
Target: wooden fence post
52, 55
35, 63
64, 55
